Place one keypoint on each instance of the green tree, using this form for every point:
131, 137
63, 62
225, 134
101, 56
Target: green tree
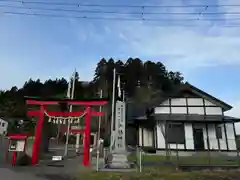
139, 79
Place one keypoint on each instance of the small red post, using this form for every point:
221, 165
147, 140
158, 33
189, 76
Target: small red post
87, 138
14, 159
38, 137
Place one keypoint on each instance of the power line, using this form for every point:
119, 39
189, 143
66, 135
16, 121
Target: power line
140, 18
120, 5
119, 12
114, 18
235, 25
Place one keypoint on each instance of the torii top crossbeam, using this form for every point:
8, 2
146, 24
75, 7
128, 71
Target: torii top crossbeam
55, 101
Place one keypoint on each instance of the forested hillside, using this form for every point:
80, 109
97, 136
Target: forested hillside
139, 79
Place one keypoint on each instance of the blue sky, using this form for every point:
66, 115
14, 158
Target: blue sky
206, 52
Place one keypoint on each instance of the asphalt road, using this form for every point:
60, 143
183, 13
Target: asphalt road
64, 170
8, 174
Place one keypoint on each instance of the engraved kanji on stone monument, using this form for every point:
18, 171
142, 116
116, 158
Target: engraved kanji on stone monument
120, 126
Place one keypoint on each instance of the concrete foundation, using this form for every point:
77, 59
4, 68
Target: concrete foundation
118, 161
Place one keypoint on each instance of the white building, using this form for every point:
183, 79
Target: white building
3, 126
188, 120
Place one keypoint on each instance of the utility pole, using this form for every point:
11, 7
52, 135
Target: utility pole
77, 136
118, 149
100, 117
99, 131
113, 106
69, 123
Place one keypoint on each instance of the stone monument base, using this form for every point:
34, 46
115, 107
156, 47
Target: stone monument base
118, 161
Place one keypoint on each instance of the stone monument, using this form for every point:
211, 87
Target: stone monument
118, 158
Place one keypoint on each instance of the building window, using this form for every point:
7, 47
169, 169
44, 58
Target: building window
3, 124
175, 134
219, 132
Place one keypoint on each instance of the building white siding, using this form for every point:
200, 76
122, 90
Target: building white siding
208, 103
178, 110
190, 105
213, 142
161, 140
189, 136
166, 102
146, 137
178, 102
196, 110
222, 141
3, 126
198, 106
213, 110
160, 136
231, 136
140, 136
189, 140
162, 110
194, 101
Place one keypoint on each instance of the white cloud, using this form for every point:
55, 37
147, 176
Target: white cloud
186, 47
180, 48
206, 43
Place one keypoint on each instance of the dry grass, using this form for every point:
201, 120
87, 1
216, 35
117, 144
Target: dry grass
160, 174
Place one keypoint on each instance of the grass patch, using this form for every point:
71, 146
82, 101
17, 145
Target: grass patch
190, 160
161, 174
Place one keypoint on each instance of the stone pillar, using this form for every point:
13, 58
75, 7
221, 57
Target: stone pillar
118, 158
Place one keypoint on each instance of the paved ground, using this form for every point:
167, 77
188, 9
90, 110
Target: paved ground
65, 170
7, 174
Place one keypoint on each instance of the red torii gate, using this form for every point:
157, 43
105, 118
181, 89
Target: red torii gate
43, 103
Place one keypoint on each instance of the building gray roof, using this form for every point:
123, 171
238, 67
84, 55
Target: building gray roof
138, 110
